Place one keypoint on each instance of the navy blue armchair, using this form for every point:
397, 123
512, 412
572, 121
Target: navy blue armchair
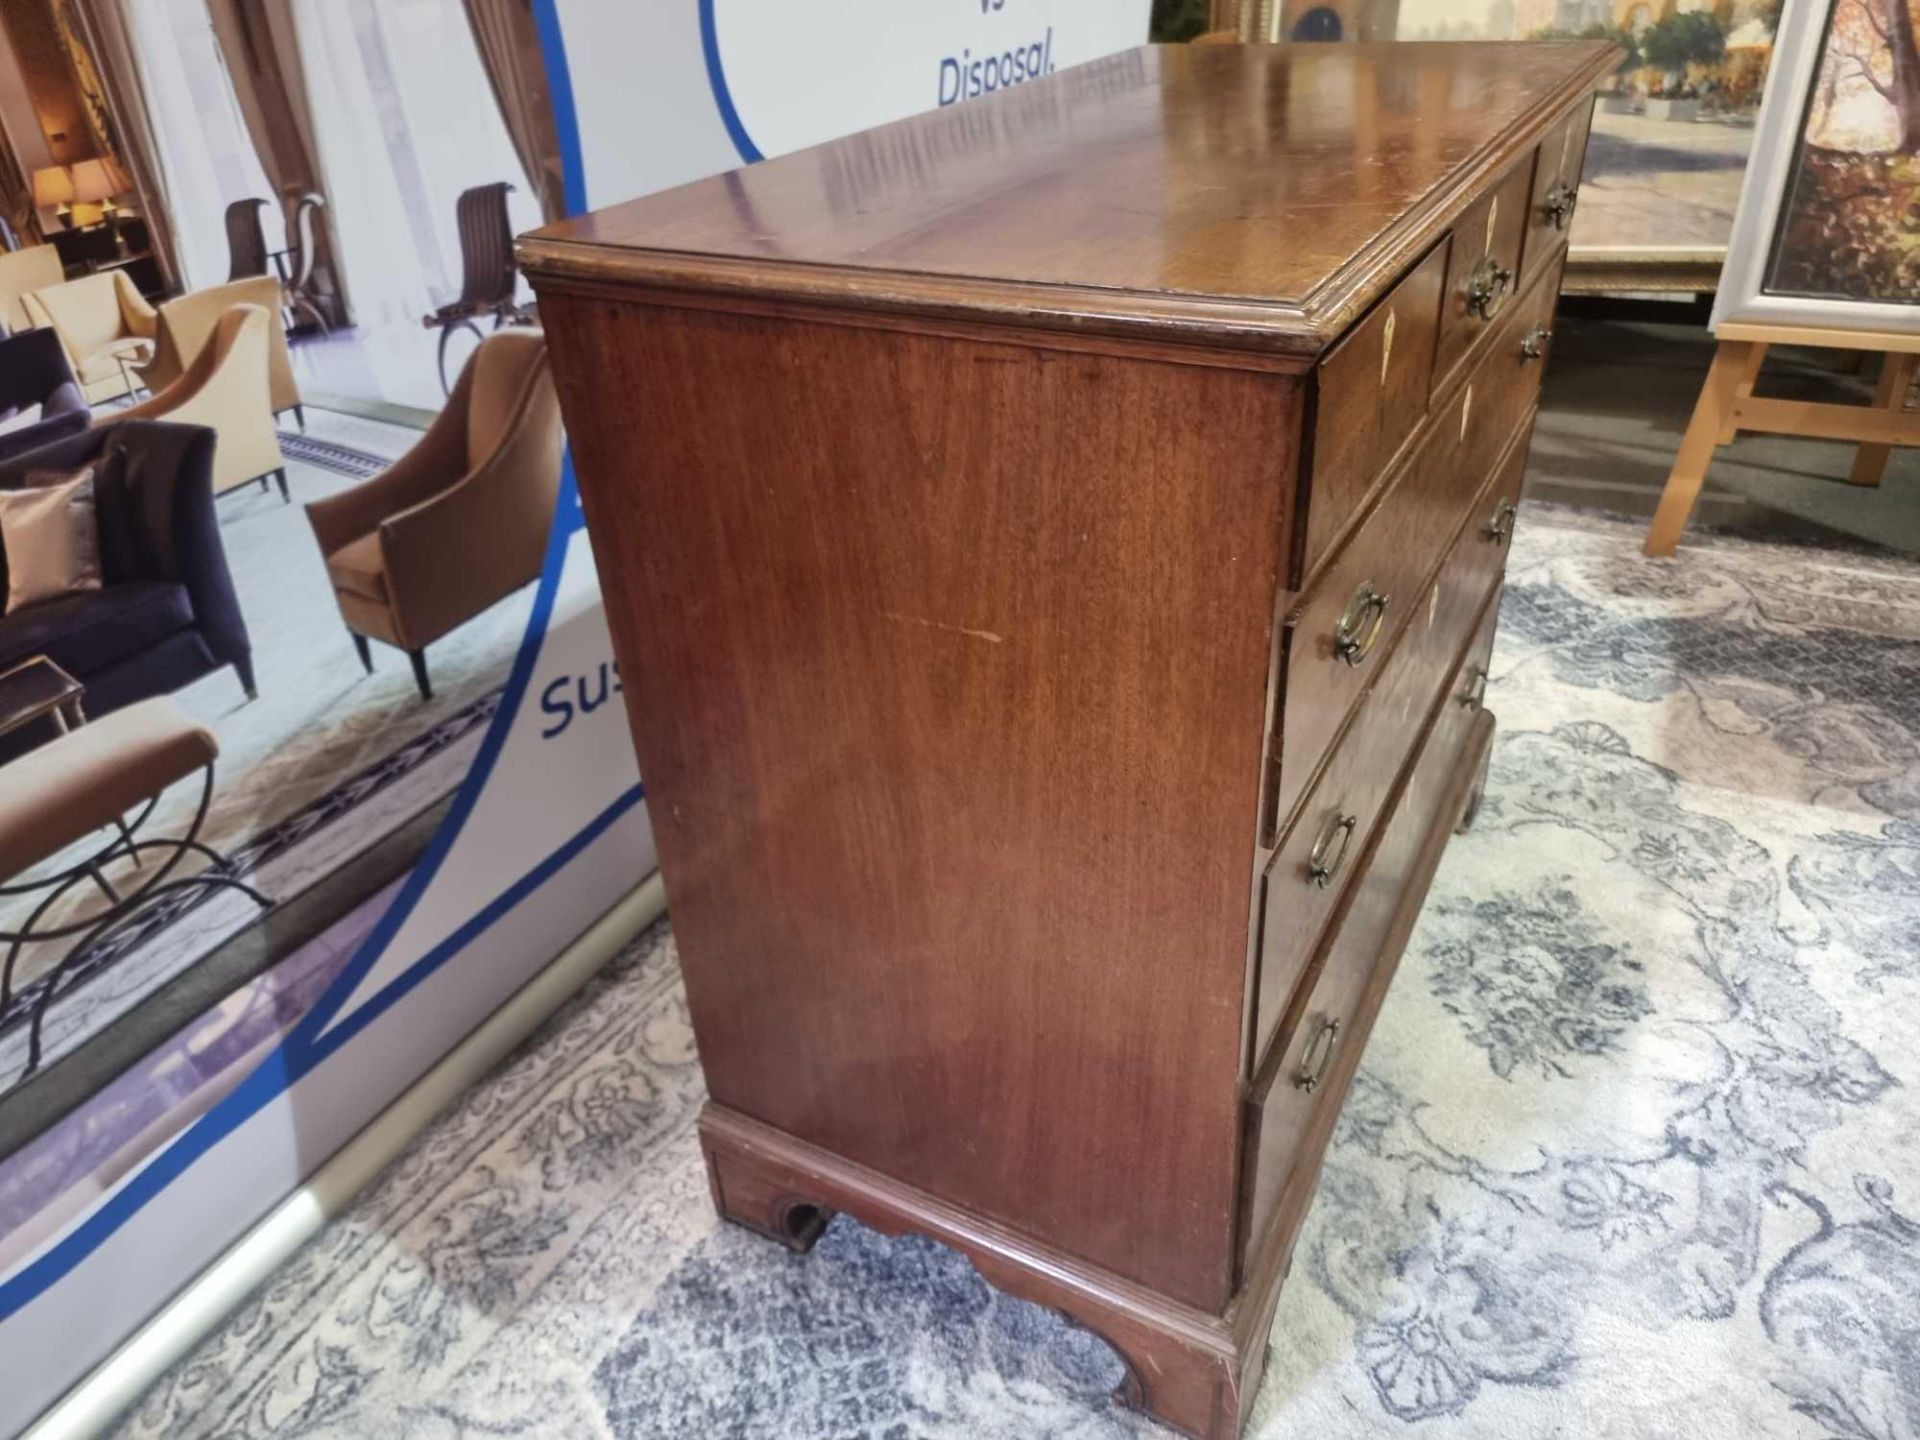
166, 612
34, 371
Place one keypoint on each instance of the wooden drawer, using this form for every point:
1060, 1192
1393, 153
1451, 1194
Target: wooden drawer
1371, 395
1486, 246
1505, 384
1287, 1126
1329, 651
1469, 692
1393, 552
1556, 187
1338, 818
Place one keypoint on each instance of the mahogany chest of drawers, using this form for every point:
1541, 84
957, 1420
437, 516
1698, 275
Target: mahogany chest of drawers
1052, 545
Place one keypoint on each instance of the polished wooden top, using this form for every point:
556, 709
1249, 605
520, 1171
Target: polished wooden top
1253, 195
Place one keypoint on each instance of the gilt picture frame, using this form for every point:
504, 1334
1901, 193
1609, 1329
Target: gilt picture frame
1827, 236
1671, 131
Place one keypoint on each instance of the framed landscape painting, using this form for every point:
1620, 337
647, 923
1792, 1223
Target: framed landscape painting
1671, 131
1828, 230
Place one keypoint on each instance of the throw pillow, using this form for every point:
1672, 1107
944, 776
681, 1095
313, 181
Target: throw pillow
51, 537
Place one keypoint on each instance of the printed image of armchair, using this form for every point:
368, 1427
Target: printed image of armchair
460, 521
33, 372
21, 273
187, 324
166, 612
227, 388
102, 320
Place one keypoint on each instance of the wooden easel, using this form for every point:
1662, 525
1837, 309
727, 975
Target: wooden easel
1727, 405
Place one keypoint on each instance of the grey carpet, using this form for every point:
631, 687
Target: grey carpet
1631, 1154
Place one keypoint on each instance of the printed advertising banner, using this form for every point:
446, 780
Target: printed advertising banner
775, 78
547, 829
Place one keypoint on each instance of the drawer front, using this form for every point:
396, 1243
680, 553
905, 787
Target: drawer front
1505, 384
1371, 395
1341, 633
1486, 247
1339, 638
1469, 692
1286, 1124
1556, 187
1338, 818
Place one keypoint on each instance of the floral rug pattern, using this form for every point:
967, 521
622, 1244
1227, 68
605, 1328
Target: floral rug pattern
1635, 1150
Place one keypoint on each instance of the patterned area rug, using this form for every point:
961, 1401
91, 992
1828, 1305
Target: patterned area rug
310, 449
1633, 1152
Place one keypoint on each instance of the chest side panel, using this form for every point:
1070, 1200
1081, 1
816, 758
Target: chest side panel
947, 663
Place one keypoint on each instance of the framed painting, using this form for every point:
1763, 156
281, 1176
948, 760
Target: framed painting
1828, 232
1672, 128
86, 76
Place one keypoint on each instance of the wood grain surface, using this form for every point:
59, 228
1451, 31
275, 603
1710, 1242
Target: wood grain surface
1561, 155
1265, 194
946, 488
946, 664
1493, 229
1397, 541
1370, 396
1365, 763
1287, 1125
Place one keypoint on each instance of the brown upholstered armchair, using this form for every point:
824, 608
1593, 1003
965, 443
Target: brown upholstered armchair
460, 521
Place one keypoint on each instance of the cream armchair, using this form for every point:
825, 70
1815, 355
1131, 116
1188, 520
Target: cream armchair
187, 324
460, 521
93, 316
21, 273
226, 389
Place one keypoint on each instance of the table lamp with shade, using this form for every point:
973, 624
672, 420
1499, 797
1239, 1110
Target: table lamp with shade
53, 189
96, 182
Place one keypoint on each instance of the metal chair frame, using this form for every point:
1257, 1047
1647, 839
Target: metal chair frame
298, 287
503, 316
122, 909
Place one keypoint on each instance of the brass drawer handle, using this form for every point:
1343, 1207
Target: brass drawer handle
1319, 1057
1534, 343
1487, 288
1358, 630
1476, 691
1329, 851
1559, 203
1500, 528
